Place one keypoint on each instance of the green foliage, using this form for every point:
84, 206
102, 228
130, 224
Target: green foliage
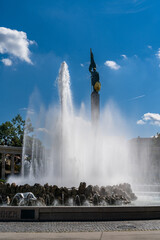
156, 139
28, 126
3, 180
6, 133
11, 133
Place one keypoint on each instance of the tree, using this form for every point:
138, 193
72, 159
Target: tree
18, 126
11, 133
156, 139
28, 128
6, 133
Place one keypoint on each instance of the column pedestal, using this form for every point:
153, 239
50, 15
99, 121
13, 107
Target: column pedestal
12, 164
3, 166
95, 107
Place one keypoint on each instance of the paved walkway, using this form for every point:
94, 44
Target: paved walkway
59, 227
115, 230
152, 235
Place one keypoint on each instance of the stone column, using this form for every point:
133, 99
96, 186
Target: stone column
12, 164
21, 166
3, 166
95, 107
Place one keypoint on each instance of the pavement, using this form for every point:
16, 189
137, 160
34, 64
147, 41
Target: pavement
113, 230
62, 227
152, 235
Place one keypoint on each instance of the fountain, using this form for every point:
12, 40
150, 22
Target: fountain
66, 149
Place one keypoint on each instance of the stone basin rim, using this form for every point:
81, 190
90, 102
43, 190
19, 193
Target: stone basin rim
78, 213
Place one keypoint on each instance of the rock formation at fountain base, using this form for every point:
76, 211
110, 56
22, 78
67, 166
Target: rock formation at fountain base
52, 195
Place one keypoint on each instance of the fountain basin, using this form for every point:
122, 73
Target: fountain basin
79, 213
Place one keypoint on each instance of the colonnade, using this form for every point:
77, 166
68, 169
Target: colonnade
12, 151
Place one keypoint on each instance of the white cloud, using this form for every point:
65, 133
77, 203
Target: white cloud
42, 130
124, 56
135, 98
30, 111
15, 43
155, 123
149, 46
140, 122
151, 118
112, 64
32, 42
23, 109
158, 53
7, 61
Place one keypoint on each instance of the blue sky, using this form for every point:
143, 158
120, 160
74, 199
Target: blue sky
125, 39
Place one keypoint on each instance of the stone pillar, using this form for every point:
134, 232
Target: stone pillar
21, 166
3, 166
95, 107
12, 164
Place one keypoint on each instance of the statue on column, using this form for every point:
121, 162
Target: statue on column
95, 97
94, 74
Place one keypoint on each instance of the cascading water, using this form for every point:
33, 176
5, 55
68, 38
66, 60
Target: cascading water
65, 91
66, 109
66, 149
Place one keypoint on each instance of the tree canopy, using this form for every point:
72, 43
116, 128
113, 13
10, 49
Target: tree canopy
11, 132
156, 139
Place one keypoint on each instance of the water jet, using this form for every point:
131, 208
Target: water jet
66, 151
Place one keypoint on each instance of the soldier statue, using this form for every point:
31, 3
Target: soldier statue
95, 97
94, 74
